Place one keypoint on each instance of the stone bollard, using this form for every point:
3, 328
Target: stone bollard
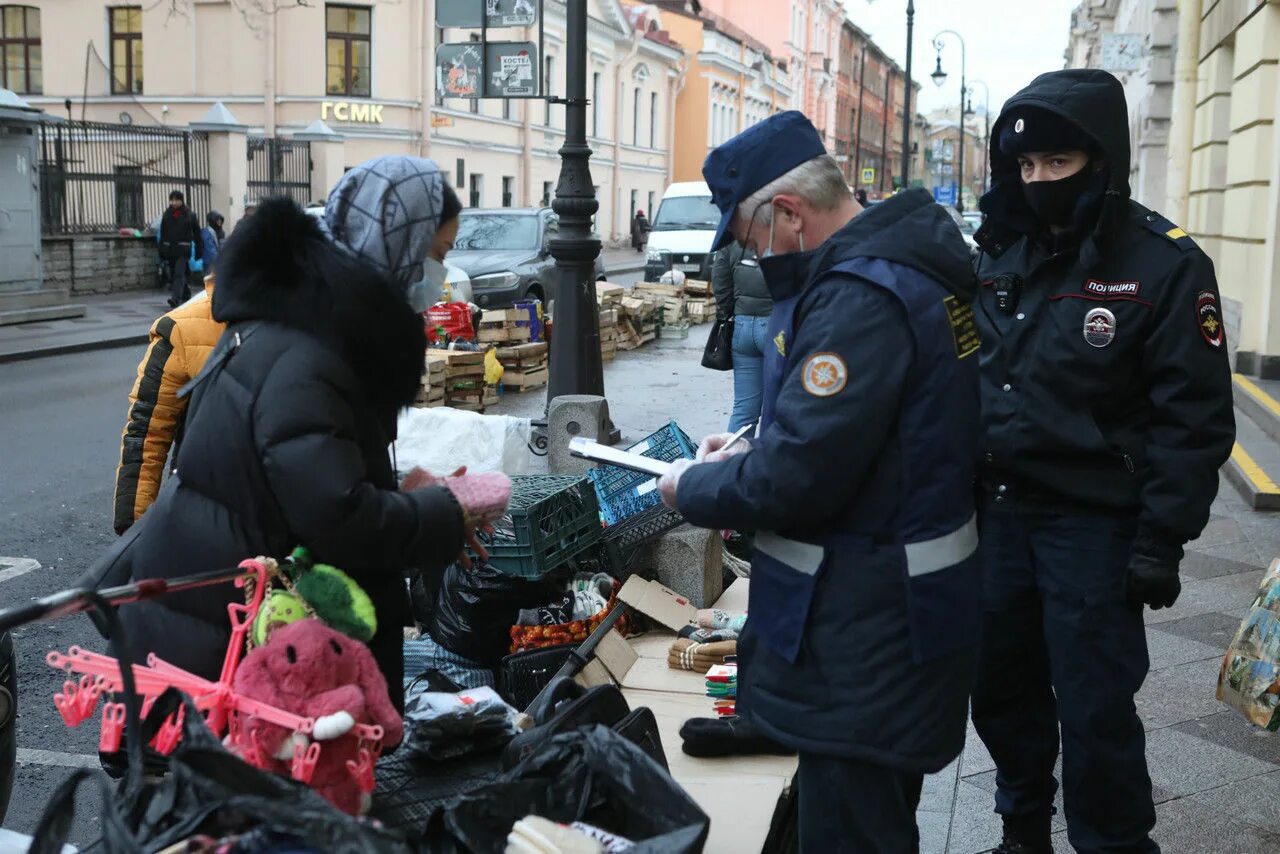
573, 415
689, 560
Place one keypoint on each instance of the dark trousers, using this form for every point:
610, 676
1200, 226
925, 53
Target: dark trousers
1062, 647
852, 806
177, 257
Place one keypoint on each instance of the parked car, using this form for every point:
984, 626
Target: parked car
457, 282
681, 233
966, 227
507, 254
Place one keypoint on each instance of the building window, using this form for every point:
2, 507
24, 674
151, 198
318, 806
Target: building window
653, 119
649, 210
508, 190
507, 111
477, 189
460, 174
23, 70
635, 199
635, 118
595, 104
347, 49
548, 193
126, 50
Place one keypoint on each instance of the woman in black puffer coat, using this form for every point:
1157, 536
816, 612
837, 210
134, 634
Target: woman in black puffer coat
287, 439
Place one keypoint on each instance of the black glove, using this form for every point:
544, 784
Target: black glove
1153, 572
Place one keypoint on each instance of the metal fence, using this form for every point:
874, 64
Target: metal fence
279, 167
99, 178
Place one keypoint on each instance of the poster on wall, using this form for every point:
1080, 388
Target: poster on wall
458, 70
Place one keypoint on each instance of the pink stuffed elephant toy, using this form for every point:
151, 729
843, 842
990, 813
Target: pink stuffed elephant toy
311, 670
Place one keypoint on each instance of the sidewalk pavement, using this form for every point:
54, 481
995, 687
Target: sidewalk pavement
1217, 782
122, 320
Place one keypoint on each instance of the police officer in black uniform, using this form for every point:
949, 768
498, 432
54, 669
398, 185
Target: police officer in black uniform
1106, 399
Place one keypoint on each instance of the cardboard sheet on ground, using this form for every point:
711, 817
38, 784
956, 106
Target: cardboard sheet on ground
442, 439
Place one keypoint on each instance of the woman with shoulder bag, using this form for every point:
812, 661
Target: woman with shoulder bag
741, 295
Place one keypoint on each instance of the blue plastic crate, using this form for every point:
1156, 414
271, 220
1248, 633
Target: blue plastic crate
551, 520
624, 493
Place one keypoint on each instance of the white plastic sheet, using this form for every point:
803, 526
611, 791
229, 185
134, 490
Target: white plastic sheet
442, 439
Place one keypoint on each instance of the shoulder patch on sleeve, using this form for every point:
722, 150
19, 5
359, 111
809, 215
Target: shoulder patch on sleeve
824, 374
1209, 319
964, 326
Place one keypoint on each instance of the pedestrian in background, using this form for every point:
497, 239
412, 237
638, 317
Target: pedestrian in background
211, 239
741, 293
179, 238
1107, 413
864, 613
639, 231
180, 342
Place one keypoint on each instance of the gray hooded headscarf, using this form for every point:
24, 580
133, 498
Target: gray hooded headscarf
386, 212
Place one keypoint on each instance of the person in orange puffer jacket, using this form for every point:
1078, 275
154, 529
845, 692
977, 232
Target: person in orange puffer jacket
181, 341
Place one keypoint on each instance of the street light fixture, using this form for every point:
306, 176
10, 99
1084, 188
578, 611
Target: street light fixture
939, 77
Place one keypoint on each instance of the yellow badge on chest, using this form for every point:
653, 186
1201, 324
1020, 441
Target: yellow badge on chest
781, 343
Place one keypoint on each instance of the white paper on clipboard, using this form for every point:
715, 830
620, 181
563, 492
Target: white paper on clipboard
594, 451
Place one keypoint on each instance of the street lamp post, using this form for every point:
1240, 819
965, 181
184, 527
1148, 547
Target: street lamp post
906, 102
986, 127
575, 341
939, 77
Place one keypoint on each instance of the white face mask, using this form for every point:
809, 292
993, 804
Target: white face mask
427, 292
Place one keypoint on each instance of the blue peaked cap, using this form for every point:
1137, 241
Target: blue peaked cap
760, 154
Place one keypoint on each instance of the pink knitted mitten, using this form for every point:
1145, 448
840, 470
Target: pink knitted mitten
484, 497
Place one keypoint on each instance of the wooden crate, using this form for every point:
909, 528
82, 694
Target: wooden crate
503, 333
697, 287
608, 294
526, 379
520, 354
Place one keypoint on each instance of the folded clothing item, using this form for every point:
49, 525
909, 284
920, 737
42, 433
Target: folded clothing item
733, 736
718, 618
576, 604
708, 635
536, 835
687, 654
442, 726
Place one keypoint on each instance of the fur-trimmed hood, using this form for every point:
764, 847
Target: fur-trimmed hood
278, 266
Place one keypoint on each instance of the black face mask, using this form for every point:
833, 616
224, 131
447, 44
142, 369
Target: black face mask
1054, 202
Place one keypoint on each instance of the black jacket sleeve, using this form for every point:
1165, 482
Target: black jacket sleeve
722, 282
1191, 429
305, 435
810, 462
196, 240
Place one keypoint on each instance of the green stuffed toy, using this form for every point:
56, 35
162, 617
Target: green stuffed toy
333, 596
279, 608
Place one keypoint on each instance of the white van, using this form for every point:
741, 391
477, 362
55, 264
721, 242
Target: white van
681, 232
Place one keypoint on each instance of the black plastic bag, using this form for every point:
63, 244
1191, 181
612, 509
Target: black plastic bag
209, 790
476, 608
591, 775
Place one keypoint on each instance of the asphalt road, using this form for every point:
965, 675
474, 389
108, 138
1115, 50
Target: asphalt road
61, 420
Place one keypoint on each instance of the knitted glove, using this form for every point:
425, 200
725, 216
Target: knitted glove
483, 497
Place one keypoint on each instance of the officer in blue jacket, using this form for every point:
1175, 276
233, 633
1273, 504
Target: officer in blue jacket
864, 606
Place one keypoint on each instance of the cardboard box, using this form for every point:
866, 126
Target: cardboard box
661, 603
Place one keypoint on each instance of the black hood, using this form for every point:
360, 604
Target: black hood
1092, 100
278, 266
908, 229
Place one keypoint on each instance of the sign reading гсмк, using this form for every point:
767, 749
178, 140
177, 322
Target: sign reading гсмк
352, 111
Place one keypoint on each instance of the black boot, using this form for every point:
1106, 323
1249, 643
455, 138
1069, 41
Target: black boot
1026, 834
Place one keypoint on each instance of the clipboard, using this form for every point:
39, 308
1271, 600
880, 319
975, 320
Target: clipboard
586, 449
